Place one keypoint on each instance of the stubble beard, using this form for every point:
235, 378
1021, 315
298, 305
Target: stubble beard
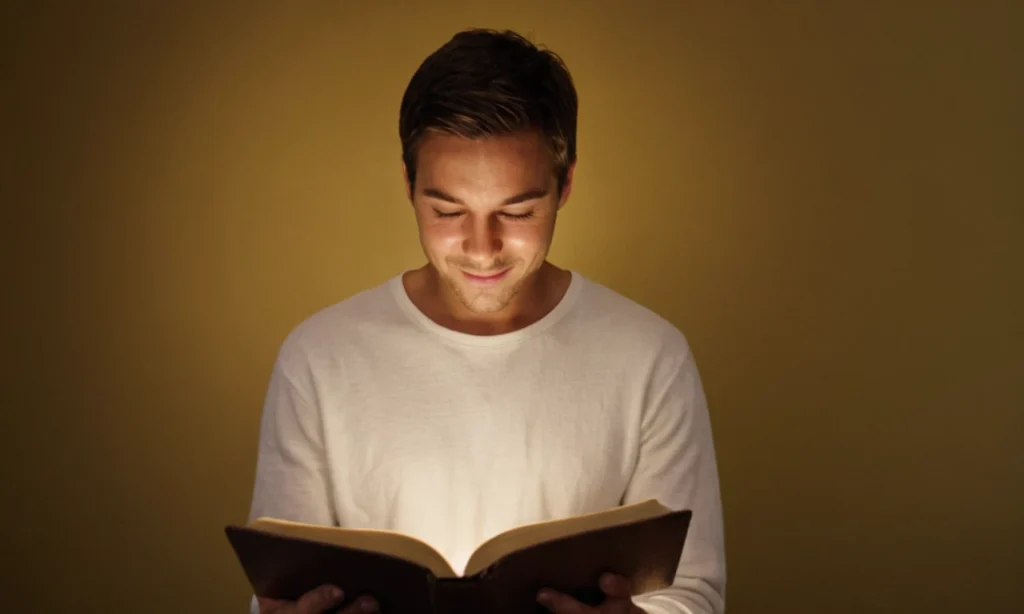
483, 300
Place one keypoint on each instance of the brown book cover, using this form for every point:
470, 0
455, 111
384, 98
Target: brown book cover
643, 541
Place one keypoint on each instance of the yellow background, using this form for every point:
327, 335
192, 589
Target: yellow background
827, 201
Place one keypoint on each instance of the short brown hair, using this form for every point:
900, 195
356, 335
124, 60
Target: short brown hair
486, 82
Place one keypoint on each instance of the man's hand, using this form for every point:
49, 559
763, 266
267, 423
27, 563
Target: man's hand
617, 599
316, 601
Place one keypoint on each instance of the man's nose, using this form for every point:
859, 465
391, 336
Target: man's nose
482, 235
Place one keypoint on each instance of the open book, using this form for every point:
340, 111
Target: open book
642, 541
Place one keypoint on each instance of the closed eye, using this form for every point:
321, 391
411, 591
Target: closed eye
519, 216
513, 216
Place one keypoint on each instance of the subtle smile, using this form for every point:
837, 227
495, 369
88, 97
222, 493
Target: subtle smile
486, 279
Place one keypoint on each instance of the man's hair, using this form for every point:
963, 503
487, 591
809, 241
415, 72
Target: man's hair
485, 82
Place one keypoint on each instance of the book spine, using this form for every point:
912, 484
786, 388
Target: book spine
458, 596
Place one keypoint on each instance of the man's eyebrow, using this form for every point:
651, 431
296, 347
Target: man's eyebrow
518, 198
525, 196
438, 194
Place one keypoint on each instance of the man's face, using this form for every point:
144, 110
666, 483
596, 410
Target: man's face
486, 212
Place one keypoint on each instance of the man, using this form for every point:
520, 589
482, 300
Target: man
490, 388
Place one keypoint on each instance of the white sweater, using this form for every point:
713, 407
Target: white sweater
378, 417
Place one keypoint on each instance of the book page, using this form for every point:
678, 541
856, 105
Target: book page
390, 543
525, 536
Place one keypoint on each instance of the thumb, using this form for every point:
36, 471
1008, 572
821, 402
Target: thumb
615, 586
318, 600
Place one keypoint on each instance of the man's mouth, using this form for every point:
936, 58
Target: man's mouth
486, 278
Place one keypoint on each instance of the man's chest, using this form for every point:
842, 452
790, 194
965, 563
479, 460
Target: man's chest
523, 441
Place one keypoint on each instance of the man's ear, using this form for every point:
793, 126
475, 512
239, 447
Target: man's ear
567, 186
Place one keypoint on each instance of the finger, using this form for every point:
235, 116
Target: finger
363, 605
270, 606
615, 585
275, 606
560, 603
318, 600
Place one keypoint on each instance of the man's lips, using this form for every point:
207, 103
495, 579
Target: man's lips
488, 278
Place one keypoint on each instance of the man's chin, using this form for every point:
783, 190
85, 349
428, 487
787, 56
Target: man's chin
477, 298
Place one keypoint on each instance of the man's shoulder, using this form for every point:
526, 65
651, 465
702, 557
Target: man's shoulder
341, 322
619, 318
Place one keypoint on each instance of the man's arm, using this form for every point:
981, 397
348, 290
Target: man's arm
677, 466
291, 480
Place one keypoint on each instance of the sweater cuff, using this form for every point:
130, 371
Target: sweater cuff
656, 605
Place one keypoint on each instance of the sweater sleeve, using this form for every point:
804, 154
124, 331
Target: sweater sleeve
677, 466
291, 480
